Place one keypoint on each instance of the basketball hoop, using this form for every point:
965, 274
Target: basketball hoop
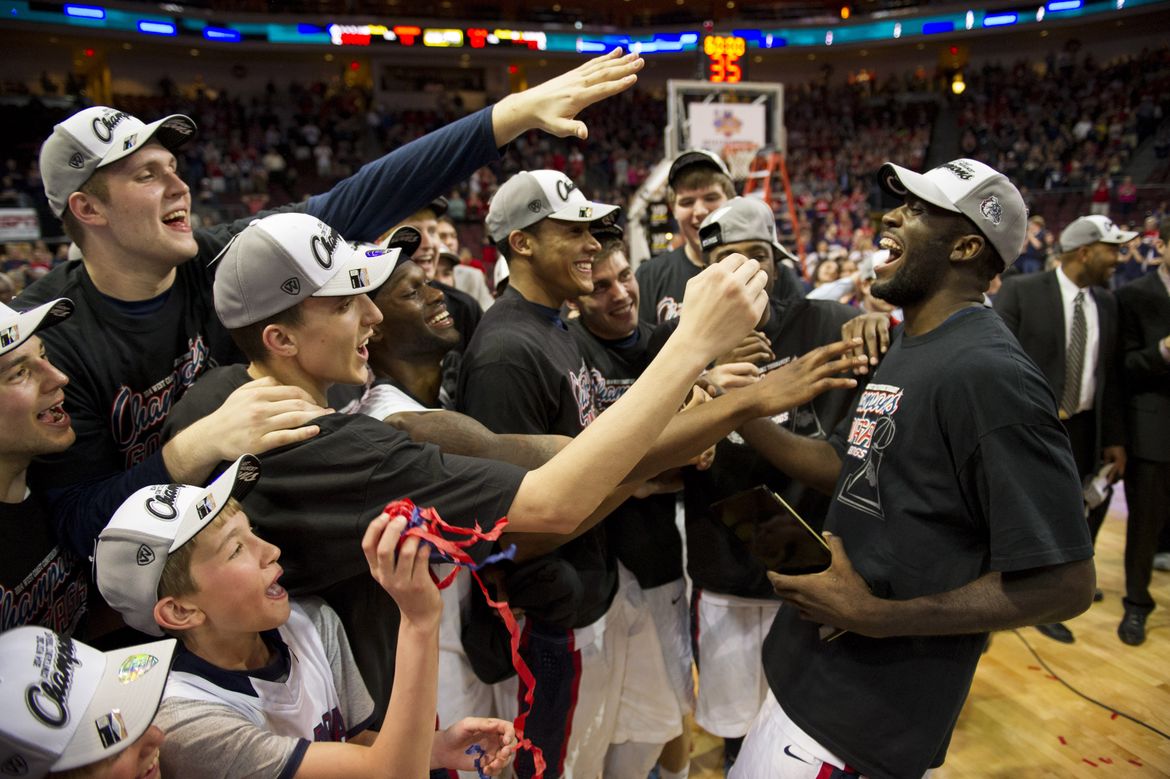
739, 156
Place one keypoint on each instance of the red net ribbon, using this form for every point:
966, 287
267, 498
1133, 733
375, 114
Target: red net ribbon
428, 526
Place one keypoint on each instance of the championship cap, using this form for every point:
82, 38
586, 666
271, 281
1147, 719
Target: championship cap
68, 705
278, 261
742, 219
691, 157
532, 195
96, 137
968, 187
407, 238
1093, 229
16, 327
152, 523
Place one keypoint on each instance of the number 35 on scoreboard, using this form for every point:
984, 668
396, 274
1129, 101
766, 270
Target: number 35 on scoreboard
723, 59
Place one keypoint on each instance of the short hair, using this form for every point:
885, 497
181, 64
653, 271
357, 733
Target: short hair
700, 177
97, 187
176, 580
610, 247
250, 338
446, 219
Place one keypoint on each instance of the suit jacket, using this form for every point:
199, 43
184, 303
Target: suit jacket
1033, 310
1145, 320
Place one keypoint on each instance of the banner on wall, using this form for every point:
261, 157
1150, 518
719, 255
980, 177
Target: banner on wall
19, 224
713, 125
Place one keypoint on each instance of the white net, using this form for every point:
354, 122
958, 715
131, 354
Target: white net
739, 156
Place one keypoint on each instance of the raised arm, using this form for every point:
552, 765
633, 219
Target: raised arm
723, 303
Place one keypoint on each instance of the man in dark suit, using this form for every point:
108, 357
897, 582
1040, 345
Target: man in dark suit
1067, 322
1145, 343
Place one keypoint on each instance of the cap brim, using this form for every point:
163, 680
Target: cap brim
405, 238
173, 132
363, 272
583, 211
128, 695
784, 253
1122, 236
899, 181
16, 331
236, 482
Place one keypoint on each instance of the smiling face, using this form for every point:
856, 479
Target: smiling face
447, 235
415, 320
919, 237
332, 339
236, 577
1099, 261
427, 253
560, 262
31, 398
611, 310
691, 207
144, 208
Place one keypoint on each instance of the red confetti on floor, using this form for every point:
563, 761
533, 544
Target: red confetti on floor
1138, 763
1033, 668
1050, 676
1062, 741
1113, 715
1106, 760
1090, 762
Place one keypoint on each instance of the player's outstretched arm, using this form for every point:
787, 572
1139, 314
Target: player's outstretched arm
403, 747
724, 302
257, 417
553, 106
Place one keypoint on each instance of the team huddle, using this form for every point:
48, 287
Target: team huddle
220, 417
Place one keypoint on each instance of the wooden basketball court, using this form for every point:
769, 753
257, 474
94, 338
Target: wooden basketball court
1021, 720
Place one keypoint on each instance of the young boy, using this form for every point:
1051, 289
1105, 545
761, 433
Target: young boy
70, 708
262, 685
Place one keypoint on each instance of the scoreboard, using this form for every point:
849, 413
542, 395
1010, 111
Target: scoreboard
723, 59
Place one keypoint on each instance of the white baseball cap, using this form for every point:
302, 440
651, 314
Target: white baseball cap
148, 527
1088, 230
968, 187
278, 261
67, 705
97, 137
532, 195
16, 327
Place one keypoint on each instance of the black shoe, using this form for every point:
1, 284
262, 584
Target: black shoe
1132, 629
1057, 632
1098, 596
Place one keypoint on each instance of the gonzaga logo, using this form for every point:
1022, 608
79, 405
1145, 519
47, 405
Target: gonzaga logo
46, 701
583, 393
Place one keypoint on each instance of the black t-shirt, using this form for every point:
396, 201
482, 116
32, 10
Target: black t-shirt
717, 560
40, 583
662, 282
641, 531
953, 465
314, 500
524, 373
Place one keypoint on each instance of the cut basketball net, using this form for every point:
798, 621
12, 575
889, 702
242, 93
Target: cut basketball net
739, 156
428, 526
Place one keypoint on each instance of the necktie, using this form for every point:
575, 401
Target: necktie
1074, 360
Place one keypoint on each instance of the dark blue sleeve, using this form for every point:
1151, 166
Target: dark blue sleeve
80, 511
389, 189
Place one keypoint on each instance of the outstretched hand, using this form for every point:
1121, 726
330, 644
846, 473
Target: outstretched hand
836, 596
553, 106
754, 348
874, 331
405, 575
496, 737
799, 381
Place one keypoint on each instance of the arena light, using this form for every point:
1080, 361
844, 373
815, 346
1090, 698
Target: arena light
970, 19
591, 47
958, 85
933, 28
442, 38
1000, 20
1064, 5
223, 34
156, 28
85, 12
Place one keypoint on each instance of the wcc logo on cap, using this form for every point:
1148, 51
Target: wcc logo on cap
532, 195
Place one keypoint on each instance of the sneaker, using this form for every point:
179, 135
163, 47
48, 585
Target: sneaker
1162, 561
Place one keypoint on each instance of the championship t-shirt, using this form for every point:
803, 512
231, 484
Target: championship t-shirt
953, 465
662, 282
40, 583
